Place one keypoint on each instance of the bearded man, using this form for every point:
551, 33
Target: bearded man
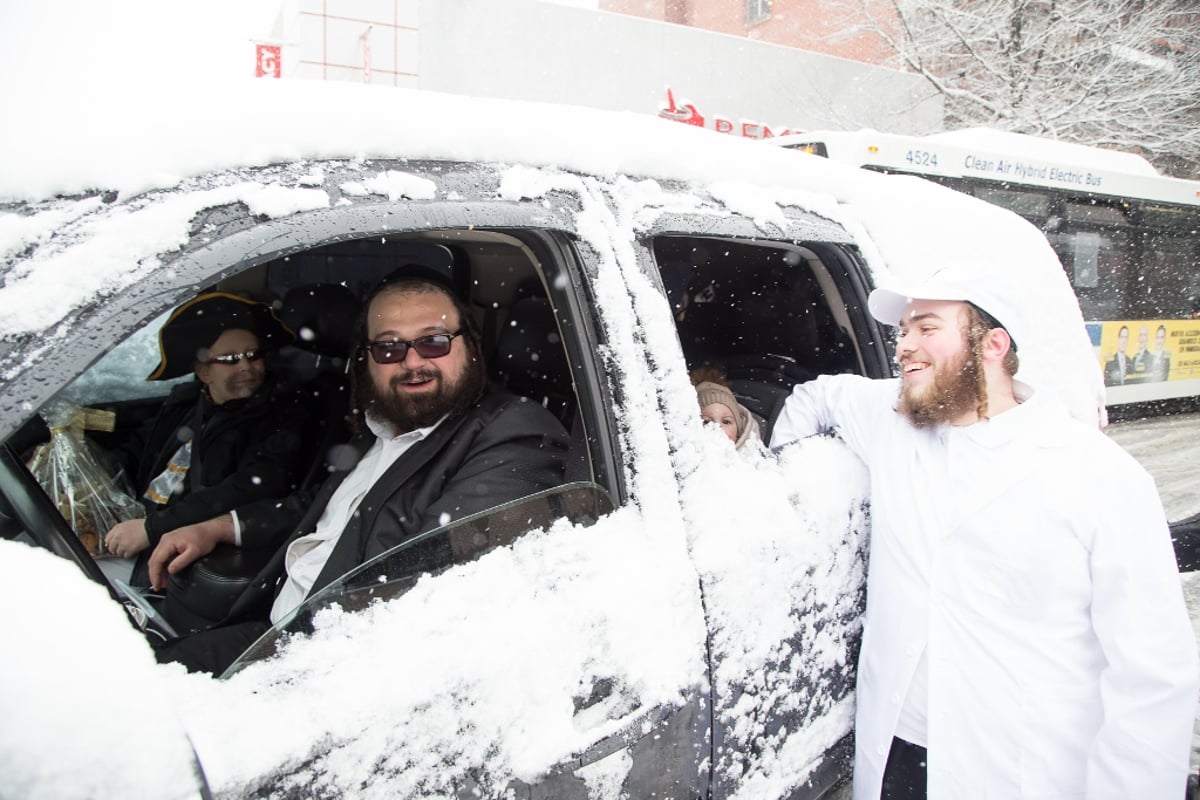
435, 444
1024, 636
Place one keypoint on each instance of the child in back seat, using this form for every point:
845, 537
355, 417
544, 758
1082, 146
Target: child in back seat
719, 407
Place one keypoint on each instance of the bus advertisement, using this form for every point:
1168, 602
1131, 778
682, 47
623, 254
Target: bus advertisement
1146, 360
1127, 236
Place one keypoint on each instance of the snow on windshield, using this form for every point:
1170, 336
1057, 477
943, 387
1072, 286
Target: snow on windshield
121, 373
86, 713
109, 252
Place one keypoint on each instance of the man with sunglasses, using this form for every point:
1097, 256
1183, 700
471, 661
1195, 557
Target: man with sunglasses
435, 444
220, 441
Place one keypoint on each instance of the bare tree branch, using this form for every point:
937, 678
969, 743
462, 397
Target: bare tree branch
1109, 73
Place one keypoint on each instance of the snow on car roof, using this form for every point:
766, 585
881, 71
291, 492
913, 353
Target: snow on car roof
905, 227
136, 145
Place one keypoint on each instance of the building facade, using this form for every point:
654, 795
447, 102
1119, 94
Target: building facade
625, 55
832, 27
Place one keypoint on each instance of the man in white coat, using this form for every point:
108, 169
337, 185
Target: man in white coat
1024, 636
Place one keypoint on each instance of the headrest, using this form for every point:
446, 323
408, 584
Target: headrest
529, 345
323, 315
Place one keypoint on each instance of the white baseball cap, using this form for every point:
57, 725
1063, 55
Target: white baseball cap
963, 283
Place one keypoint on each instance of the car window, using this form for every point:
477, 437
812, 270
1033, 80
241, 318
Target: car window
764, 315
121, 373
536, 334
734, 299
391, 574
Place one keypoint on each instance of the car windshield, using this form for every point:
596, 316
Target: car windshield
120, 374
394, 572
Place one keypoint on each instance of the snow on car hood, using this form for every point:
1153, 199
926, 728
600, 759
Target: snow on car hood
475, 669
86, 713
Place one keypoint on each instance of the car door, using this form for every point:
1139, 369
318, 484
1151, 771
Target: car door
636, 708
781, 561
651, 750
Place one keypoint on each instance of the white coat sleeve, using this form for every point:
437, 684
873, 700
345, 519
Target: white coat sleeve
1148, 687
849, 405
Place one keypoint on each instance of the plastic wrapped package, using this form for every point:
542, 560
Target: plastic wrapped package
85, 493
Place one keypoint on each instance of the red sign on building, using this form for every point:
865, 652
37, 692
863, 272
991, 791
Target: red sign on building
689, 115
268, 61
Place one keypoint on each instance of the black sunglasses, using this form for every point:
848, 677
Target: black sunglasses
229, 359
433, 346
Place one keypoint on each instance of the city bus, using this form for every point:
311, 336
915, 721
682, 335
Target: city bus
1127, 236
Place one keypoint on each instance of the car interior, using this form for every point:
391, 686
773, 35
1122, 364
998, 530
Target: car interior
318, 294
765, 315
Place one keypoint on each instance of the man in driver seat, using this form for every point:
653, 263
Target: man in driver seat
435, 444
220, 441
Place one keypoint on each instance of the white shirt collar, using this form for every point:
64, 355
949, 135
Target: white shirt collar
1029, 417
383, 430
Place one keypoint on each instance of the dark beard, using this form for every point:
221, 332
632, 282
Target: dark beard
955, 392
405, 413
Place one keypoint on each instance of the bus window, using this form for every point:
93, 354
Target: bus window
1098, 264
1170, 277
1031, 205
1184, 221
1095, 213
1086, 264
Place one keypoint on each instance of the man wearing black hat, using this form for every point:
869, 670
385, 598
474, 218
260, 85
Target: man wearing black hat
1023, 636
219, 441
436, 444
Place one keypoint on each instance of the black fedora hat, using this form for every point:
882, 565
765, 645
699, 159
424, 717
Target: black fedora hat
194, 326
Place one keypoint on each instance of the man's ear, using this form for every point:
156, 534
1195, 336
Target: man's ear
203, 372
996, 344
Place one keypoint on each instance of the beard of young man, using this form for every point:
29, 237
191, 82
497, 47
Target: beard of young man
954, 393
405, 413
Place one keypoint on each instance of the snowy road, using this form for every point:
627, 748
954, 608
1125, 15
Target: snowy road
1168, 447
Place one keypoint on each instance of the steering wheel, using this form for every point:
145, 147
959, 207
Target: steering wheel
25, 507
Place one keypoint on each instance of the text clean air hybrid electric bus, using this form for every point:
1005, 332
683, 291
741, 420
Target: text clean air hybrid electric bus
1128, 237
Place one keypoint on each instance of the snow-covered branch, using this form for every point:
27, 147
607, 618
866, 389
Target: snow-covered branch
1111, 73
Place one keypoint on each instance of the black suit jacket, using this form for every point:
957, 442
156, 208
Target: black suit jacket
1114, 375
242, 451
504, 448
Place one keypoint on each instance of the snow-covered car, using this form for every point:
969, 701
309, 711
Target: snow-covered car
679, 620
